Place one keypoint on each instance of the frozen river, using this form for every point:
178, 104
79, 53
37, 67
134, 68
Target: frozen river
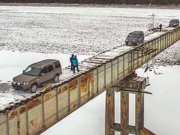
29, 34
73, 29
161, 108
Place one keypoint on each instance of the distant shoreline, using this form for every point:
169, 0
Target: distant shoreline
93, 5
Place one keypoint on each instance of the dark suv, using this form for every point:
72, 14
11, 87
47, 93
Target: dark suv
134, 38
37, 74
174, 23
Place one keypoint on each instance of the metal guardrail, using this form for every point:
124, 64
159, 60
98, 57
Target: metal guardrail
40, 111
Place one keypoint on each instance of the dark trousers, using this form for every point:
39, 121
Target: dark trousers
71, 67
74, 68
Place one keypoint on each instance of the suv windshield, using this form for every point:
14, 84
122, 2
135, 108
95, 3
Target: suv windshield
32, 71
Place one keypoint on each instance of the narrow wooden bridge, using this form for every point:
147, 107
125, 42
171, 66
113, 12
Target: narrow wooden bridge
33, 113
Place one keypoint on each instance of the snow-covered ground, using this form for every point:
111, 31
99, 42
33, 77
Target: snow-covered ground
13, 63
161, 108
171, 56
73, 29
29, 34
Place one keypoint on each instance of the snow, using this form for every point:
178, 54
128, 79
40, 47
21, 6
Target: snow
161, 110
29, 34
83, 30
153, 35
96, 10
89, 120
13, 63
170, 56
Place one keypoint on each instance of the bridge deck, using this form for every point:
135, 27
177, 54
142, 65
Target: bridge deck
8, 95
25, 113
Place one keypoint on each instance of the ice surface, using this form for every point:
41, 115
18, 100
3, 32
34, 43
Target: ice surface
161, 108
73, 29
50, 32
170, 56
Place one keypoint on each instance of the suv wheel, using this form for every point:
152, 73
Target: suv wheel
56, 79
34, 88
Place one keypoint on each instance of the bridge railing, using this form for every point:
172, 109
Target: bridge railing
42, 110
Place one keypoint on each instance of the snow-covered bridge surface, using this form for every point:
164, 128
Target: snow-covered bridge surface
9, 96
45, 29
55, 101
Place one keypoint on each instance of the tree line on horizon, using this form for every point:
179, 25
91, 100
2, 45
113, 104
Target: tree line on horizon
163, 2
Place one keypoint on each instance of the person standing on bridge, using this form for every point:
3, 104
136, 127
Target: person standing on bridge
71, 58
160, 27
75, 64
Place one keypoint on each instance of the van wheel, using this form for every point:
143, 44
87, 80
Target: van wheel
56, 79
34, 88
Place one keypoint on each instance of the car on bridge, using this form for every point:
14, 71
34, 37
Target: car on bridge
37, 74
174, 23
134, 38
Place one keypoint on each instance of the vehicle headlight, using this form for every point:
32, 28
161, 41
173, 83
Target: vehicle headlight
13, 82
18, 83
25, 83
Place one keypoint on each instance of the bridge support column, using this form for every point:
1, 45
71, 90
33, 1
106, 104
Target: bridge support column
110, 113
139, 116
135, 85
124, 113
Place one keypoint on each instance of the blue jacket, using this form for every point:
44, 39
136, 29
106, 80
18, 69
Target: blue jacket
74, 61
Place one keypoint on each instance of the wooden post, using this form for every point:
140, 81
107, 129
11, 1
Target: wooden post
69, 100
132, 84
110, 113
27, 120
105, 83
79, 92
43, 113
139, 120
97, 72
57, 105
118, 68
123, 66
112, 76
124, 112
7, 122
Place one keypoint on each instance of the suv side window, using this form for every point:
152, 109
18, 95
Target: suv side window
50, 68
57, 64
44, 70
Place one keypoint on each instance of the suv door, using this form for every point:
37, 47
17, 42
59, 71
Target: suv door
50, 73
47, 74
57, 66
43, 75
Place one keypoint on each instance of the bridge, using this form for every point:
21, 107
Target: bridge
33, 113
